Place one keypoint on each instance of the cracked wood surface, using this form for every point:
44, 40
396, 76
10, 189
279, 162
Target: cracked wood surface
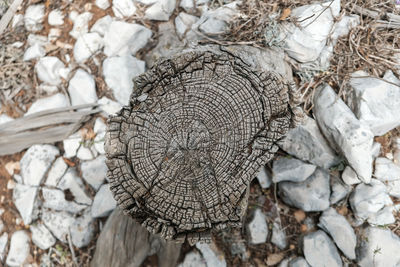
198, 128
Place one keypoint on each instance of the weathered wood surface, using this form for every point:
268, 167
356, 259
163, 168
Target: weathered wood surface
123, 242
47, 126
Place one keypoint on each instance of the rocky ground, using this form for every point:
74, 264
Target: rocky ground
331, 197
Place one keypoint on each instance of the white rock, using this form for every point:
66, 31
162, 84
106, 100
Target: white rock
55, 199
298, 262
41, 236
264, 178
340, 230
99, 126
187, 5
56, 172
3, 245
56, 18
258, 228
103, 4
342, 129
193, 259
310, 195
49, 70
58, 222
184, 22
306, 142
291, 169
368, 199
72, 144
17, 20
35, 163
86, 152
376, 149
54, 33
319, 250
86, 45
349, 176
94, 171
379, 248
278, 237
5, 118
216, 21
211, 255
376, 102
383, 217
33, 18
123, 38
109, 106
101, 26
161, 10
33, 52
72, 182
24, 199
123, 8
37, 39
81, 23
82, 229
19, 248
386, 170
100, 130
339, 190
55, 101
118, 74
82, 88
103, 202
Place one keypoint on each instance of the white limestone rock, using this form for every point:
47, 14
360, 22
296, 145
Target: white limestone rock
56, 172
264, 178
86, 45
298, 262
212, 256
72, 182
33, 18
319, 250
82, 229
58, 222
101, 26
5, 118
24, 197
349, 176
86, 152
82, 88
193, 259
108, 106
123, 8
339, 190
103, 4
94, 171
123, 38
34, 52
214, 22
55, 199
56, 18
184, 22
41, 236
19, 249
49, 70
35, 163
3, 246
278, 237
71, 145
344, 131
103, 203
100, 130
386, 170
17, 20
160, 10
258, 228
55, 101
81, 23
376, 102
291, 169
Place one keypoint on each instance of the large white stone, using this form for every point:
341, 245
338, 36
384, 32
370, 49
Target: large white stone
108, 106
49, 70
33, 52
123, 38
82, 88
5, 118
56, 18
212, 256
3, 245
264, 178
33, 18
278, 237
183, 22
123, 8
86, 152
161, 10
349, 176
72, 182
24, 197
100, 130
376, 102
103, 202
386, 170
118, 74
58, 222
41, 236
103, 4
193, 259
55, 101
56, 172
214, 22
55, 199
35, 163
291, 169
101, 26
258, 228
339, 190
81, 23
71, 145
319, 250
307, 143
82, 229
19, 249
344, 131
86, 45
94, 171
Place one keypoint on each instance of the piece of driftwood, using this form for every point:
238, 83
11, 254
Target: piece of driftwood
392, 22
199, 126
6, 18
47, 126
123, 242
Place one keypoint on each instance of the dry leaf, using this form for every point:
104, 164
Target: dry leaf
275, 258
285, 14
299, 215
303, 228
69, 162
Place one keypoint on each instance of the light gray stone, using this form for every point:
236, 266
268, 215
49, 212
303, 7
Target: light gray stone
101, 26
306, 142
72, 182
71, 145
340, 230
298, 262
49, 70
376, 102
214, 22
86, 45
17, 20
56, 18
344, 131
291, 169
258, 228
349, 176
100, 130
386, 170
33, 18
383, 217
379, 248
264, 178
118, 74
103, 4
319, 250
123, 8
123, 38
193, 259
376, 149
82, 88
184, 22
86, 151
35, 163
94, 171
82, 229
41, 236
55, 199
81, 23
368, 199
211, 255
103, 202
339, 190
33, 52
5, 118
24, 197
3, 246
58, 222
108, 106
278, 237
55, 101
56, 172
19, 248
310, 195
160, 10
36, 39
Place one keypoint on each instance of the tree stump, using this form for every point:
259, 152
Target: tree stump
197, 129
